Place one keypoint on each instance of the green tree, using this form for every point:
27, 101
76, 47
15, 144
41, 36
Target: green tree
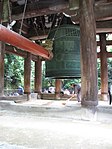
14, 71
46, 82
109, 70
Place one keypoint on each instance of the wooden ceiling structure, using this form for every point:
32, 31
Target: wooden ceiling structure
34, 19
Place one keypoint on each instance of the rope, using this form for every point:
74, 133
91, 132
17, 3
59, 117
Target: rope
58, 26
51, 26
35, 25
50, 41
41, 21
9, 11
23, 17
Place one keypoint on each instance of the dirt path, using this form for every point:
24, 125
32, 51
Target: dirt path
24, 131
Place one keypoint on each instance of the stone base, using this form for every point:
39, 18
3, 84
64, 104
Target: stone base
34, 96
89, 103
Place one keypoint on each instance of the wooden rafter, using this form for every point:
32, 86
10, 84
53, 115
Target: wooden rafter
36, 11
102, 12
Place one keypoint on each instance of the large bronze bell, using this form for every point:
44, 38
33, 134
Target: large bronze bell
66, 50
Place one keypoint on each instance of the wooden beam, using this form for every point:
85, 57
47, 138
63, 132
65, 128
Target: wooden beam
34, 12
108, 42
18, 52
12, 50
102, 12
109, 54
38, 37
104, 26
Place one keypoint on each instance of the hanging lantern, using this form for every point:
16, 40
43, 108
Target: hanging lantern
66, 51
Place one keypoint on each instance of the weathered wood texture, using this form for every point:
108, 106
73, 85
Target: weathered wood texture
58, 84
23, 43
27, 74
104, 68
104, 26
18, 52
2, 48
38, 76
89, 89
102, 12
2, 51
33, 9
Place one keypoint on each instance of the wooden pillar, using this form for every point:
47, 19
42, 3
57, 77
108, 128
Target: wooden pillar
38, 77
27, 74
1, 10
2, 49
89, 90
58, 84
104, 68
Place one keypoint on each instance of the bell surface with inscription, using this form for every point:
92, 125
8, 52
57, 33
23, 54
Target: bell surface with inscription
66, 51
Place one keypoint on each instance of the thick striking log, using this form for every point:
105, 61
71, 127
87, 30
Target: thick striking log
21, 42
89, 89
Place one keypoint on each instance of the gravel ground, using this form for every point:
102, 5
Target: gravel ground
31, 131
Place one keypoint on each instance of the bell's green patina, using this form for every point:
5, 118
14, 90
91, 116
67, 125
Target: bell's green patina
66, 51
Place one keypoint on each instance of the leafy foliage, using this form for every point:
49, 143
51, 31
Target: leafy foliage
109, 63
110, 70
14, 71
46, 82
14, 74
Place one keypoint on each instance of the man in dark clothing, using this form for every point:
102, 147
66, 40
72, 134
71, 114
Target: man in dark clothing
110, 96
77, 91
